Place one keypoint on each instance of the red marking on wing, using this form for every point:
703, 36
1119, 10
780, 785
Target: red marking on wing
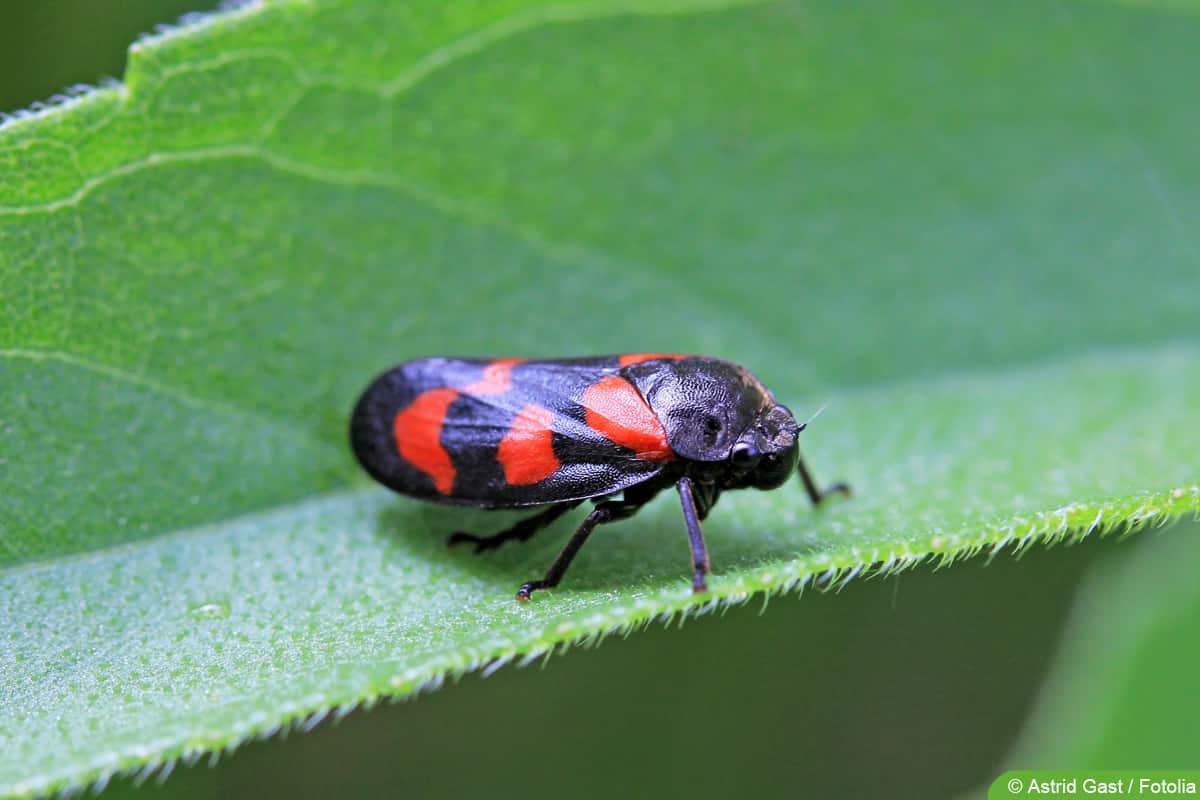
418, 431
616, 409
637, 358
527, 451
497, 377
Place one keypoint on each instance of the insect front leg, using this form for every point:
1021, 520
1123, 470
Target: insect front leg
521, 531
814, 494
691, 518
609, 511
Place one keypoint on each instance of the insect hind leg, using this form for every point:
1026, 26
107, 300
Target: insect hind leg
609, 511
521, 531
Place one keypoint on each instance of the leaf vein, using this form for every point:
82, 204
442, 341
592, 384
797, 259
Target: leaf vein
162, 389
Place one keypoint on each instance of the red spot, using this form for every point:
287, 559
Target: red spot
527, 451
637, 358
418, 431
497, 378
617, 410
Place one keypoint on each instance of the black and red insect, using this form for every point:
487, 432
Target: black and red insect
509, 433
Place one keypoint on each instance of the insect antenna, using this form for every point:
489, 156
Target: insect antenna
815, 414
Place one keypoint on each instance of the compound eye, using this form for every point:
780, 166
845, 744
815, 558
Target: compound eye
743, 454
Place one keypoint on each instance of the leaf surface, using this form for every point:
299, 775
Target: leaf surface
965, 235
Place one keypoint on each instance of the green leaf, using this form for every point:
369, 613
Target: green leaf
893, 667
964, 233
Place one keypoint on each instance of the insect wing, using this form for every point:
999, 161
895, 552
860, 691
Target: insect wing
505, 433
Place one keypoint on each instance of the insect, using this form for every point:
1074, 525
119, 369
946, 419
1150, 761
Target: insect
509, 433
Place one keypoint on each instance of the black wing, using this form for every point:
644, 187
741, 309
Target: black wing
504, 433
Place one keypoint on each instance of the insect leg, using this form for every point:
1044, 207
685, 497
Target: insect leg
521, 531
700, 566
602, 513
814, 494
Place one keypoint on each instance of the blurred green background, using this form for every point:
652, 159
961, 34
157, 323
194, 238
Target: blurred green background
46, 47
911, 686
